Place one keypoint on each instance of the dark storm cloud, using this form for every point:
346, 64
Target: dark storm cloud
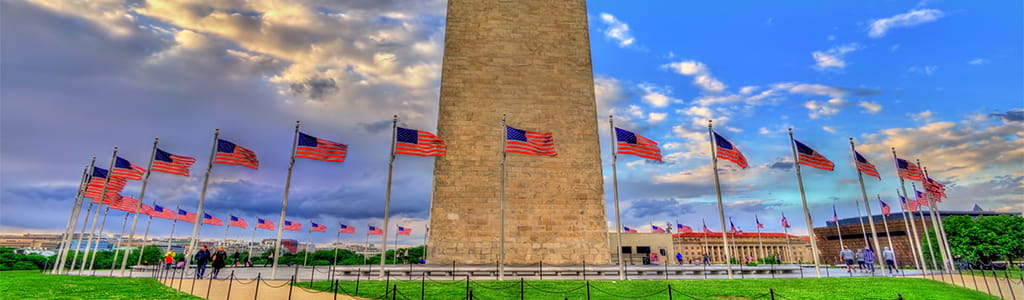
315, 88
376, 127
1013, 115
648, 208
781, 165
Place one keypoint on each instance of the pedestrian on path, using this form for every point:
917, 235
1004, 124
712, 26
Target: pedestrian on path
890, 259
202, 258
847, 256
218, 260
869, 259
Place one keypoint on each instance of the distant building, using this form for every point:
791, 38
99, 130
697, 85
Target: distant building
30, 240
638, 247
854, 237
292, 246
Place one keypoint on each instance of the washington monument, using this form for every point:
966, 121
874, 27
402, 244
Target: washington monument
529, 60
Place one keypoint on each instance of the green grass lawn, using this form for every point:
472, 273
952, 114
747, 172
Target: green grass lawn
811, 288
35, 285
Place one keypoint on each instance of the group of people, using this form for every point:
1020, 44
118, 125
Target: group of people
203, 257
865, 259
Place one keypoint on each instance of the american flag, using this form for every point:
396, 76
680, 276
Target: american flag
186, 216
146, 210
318, 228
346, 229
238, 222
864, 166
908, 206
835, 216
705, 224
936, 189
634, 144
680, 228
293, 226
732, 227
907, 170
921, 200
808, 157
404, 230
312, 147
230, 154
98, 179
785, 222
418, 142
127, 170
627, 229
374, 230
758, 221
125, 204
265, 224
886, 210
727, 151
109, 199
211, 220
529, 142
656, 229
162, 212
166, 162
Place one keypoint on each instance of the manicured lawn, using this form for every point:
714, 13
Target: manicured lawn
35, 285
825, 288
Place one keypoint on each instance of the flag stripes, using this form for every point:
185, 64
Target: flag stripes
166, 162
265, 224
186, 216
162, 212
346, 229
529, 142
292, 226
418, 142
238, 222
808, 157
907, 170
404, 230
864, 166
374, 230
211, 220
127, 170
230, 154
320, 149
727, 151
318, 227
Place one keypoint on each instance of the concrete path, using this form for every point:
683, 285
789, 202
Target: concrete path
246, 289
985, 284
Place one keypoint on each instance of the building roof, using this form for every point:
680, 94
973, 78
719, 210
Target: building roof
730, 234
942, 214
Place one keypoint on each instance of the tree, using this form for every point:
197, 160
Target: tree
986, 239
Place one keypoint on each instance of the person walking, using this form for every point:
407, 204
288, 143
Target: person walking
869, 259
679, 257
270, 258
169, 260
202, 258
860, 260
707, 259
847, 256
218, 261
236, 258
890, 259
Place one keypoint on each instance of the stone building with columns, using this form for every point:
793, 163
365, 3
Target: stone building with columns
693, 245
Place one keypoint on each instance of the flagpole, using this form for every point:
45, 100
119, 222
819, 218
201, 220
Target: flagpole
924, 227
759, 242
785, 230
226, 228
916, 244
117, 247
284, 202
887, 237
252, 241
170, 240
705, 226
838, 231
96, 246
85, 223
807, 212
860, 219
387, 195
145, 236
867, 209
309, 240
940, 232
426, 232
394, 258
103, 196
721, 210
193, 239
501, 201
138, 206
907, 224
615, 189
337, 240
367, 249
69, 230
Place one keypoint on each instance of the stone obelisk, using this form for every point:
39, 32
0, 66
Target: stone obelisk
529, 59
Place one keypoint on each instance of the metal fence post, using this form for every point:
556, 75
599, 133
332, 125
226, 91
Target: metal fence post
423, 282
335, 289
1009, 285
312, 273
209, 284
772, 293
358, 273
522, 290
469, 295
291, 284
231, 279
256, 294
669, 292
588, 289
387, 283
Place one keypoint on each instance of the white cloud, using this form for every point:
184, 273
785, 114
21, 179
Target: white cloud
977, 61
617, 30
926, 70
748, 89
834, 57
607, 91
825, 108
701, 75
655, 118
870, 107
656, 96
879, 27
925, 116
829, 129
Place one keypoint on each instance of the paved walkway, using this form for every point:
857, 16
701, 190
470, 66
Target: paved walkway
985, 284
246, 289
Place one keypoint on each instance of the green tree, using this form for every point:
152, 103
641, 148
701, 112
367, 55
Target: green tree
986, 239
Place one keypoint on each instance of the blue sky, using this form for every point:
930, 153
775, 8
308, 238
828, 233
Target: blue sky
940, 81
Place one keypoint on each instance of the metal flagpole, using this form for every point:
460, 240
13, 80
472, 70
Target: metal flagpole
337, 240
226, 228
284, 203
860, 219
759, 242
789, 248
103, 196
251, 243
867, 209
807, 211
138, 207
145, 236
394, 258
705, 225
839, 232
366, 250
501, 201
936, 222
174, 223
78, 245
96, 246
924, 228
615, 189
387, 196
117, 246
907, 217
426, 232
718, 193
885, 223
193, 239
309, 240
916, 243
69, 230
